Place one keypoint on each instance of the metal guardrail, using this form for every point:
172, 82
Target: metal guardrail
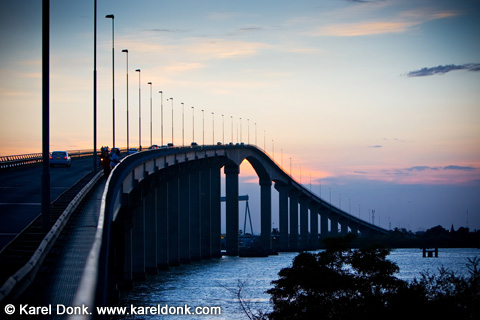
21, 160
21, 280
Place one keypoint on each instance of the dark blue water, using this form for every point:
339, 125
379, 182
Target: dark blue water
209, 283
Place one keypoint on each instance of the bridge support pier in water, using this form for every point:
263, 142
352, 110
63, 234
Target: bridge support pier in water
216, 209
184, 215
283, 215
173, 219
231, 195
266, 214
314, 245
293, 240
195, 227
304, 223
138, 240
205, 214
150, 225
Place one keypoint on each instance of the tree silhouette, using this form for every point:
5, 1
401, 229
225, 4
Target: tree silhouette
340, 283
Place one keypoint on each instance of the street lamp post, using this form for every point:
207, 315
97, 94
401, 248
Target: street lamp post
203, 127
290, 166
223, 129
45, 179
139, 113
264, 140
273, 149
161, 114
193, 124
183, 124
172, 118
213, 128
231, 117
95, 164
248, 129
110, 16
151, 143
128, 145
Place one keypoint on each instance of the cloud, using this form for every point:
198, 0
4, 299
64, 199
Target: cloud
219, 48
400, 23
183, 66
461, 168
166, 30
421, 168
376, 146
365, 28
360, 172
450, 167
443, 69
249, 29
5, 92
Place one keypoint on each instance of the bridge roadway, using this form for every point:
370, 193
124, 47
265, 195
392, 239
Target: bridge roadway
20, 193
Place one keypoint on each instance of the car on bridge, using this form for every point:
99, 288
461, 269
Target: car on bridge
132, 150
60, 158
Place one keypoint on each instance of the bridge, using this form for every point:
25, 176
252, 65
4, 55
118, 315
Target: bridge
162, 207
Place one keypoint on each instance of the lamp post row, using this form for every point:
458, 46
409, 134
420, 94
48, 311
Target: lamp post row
111, 16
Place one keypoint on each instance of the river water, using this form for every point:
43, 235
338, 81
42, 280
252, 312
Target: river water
209, 283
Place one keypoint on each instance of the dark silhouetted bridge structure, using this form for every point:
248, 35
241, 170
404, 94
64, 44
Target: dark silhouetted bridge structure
162, 208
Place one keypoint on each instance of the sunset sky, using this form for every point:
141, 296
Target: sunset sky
377, 103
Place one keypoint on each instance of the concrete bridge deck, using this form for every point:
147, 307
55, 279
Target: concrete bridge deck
59, 284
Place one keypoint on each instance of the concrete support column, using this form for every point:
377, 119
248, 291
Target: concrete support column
173, 221
354, 228
283, 215
343, 227
266, 214
323, 222
314, 226
293, 240
333, 225
184, 216
138, 239
195, 226
205, 212
231, 204
216, 211
127, 281
304, 237
162, 223
150, 230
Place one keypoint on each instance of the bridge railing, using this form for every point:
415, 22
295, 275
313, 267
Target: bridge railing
21, 160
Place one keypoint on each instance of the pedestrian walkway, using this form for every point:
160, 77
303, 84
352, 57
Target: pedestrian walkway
66, 274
